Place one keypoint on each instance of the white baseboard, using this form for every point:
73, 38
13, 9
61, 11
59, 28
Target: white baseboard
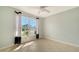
68, 43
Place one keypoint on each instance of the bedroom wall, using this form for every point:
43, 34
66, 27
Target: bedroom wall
63, 26
7, 26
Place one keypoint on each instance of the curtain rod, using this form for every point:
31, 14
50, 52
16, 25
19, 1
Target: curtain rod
18, 12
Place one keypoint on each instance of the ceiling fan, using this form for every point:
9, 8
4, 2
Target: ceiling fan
43, 9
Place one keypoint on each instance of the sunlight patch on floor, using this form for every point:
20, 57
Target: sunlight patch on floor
18, 48
27, 44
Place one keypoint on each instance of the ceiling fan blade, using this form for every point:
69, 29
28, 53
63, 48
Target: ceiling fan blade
42, 8
46, 10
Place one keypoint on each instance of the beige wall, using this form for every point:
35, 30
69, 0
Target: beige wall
7, 26
63, 26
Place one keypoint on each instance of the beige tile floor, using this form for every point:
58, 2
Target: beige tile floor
44, 45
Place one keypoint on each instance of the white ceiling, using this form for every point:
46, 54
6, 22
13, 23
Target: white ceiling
34, 10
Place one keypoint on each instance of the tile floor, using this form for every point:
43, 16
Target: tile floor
43, 45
